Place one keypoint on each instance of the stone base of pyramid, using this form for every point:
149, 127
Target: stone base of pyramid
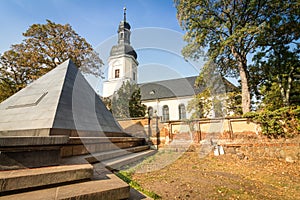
27, 152
55, 167
19, 152
78, 133
58, 132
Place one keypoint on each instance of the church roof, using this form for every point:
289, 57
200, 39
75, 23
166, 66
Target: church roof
175, 88
123, 49
61, 99
124, 24
169, 88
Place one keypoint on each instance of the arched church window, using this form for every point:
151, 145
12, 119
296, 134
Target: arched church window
117, 73
122, 35
165, 116
150, 111
182, 112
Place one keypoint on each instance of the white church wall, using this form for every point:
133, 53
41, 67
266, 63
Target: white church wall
110, 87
126, 66
173, 105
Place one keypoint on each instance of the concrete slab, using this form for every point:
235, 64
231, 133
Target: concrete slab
32, 158
13, 141
119, 162
111, 188
96, 157
87, 145
29, 178
93, 140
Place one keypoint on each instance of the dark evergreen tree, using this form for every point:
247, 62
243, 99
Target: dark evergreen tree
126, 102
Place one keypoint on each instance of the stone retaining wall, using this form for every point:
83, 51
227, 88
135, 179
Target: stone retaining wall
288, 150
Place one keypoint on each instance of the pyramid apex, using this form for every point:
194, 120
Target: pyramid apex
67, 62
62, 99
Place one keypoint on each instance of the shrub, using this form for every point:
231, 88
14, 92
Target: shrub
280, 123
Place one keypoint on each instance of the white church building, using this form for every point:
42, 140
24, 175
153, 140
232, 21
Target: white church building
166, 99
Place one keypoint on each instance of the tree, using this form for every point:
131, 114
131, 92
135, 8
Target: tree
277, 64
45, 46
232, 30
107, 102
136, 108
218, 96
276, 71
126, 102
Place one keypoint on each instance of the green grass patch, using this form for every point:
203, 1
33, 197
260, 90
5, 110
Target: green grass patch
126, 176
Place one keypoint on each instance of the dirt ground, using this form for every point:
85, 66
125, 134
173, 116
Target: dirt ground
219, 177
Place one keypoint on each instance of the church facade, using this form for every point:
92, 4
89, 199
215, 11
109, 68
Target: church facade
166, 99
169, 99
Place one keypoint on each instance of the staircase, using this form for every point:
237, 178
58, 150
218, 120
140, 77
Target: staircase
113, 152
60, 182
83, 167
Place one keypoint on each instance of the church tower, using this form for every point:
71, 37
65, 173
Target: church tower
122, 63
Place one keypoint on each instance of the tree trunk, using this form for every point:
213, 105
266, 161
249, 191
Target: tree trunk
242, 67
289, 86
285, 92
246, 100
282, 91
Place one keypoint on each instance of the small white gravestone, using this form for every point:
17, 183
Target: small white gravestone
221, 150
216, 151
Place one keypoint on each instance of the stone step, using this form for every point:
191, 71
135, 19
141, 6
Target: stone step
111, 188
14, 141
101, 156
87, 145
119, 162
30, 151
92, 140
30, 178
96, 157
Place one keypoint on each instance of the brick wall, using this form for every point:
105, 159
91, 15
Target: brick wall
199, 129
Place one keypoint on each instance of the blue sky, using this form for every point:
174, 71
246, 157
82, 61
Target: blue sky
95, 20
156, 34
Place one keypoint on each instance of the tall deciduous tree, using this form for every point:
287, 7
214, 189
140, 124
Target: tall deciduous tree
126, 102
275, 72
45, 46
218, 97
277, 64
231, 29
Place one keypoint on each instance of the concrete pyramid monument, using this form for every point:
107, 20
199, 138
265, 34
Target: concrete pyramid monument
59, 103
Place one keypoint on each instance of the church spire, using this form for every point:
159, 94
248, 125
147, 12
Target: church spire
122, 61
124, 30
124, 9
123, 46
